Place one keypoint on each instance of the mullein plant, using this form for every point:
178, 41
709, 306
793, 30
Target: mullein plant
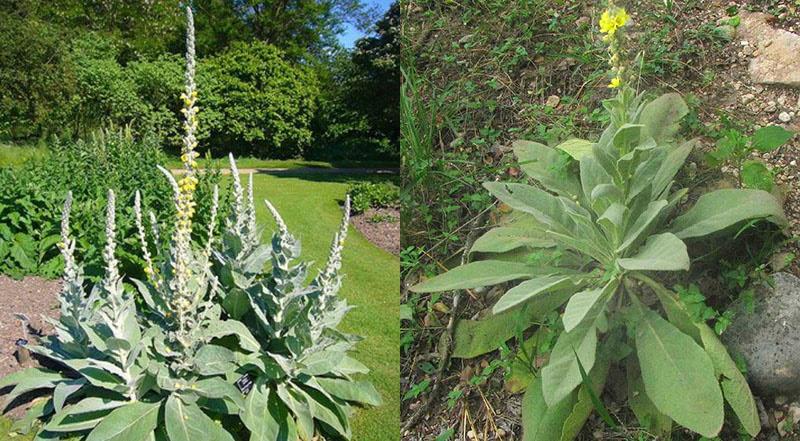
224, 340
595, 232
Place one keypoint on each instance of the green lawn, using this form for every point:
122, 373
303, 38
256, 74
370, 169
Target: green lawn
310, 206
13, 155
250, 162
371, 283
16, 154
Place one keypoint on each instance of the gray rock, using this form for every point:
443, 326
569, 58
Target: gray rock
768, 338
777, 61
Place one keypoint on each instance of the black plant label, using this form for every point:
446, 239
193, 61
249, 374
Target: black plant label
244, 384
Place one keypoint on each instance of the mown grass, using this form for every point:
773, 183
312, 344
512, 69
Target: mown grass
291, 164
12, 155
310, 205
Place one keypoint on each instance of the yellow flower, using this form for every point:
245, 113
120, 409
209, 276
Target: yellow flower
615, 82
621, 18
608, 24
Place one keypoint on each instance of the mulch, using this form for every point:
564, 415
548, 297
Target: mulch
33, 297
380, 226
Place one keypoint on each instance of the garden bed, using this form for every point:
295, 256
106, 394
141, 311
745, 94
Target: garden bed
380, 226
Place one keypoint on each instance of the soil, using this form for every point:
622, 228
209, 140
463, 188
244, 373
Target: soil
33, 297
381, 226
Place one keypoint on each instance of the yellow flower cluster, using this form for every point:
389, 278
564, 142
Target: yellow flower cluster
610, 21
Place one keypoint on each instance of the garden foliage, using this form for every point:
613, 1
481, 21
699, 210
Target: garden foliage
222, 339
110, 158
594, 233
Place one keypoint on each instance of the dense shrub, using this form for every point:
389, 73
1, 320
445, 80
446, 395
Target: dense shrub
256, 102
109, 159
366, 195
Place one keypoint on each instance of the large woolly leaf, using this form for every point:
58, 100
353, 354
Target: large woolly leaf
541, 422
662, 252
133, 421
222, 328
63, 390
577, 148
478, 337
547, 166
734, 386
267, 417
721, 209
593, 175
357, 391
643, 224
476, 274
660, 117
650, 418
213, 360
28, 380
502, 239
670, 166
83, 415
584, 404
546, 208
562, 374
580, 304
187, 422
531, 288
678, 376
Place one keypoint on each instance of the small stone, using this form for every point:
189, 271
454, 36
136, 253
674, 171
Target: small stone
747, 98
471, 434
552, 101
758, 88
771, 107
501, 433
767, 338
784, 117
793, 163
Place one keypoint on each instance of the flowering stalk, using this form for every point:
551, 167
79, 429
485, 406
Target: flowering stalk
183, 298
328, 278
611, 23
137, 210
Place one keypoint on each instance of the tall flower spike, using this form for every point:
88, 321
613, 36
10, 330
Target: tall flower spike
137, 211
278, 219
112, 272
335, 258
67, 245
154, 227
238, 196
251, 208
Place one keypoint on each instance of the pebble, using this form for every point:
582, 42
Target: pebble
784, 117
747, 98
552, 101
772, 106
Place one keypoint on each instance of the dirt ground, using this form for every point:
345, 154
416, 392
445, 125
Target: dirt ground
33, 297
380, 226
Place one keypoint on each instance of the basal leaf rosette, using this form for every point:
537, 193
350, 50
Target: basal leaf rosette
591, 236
